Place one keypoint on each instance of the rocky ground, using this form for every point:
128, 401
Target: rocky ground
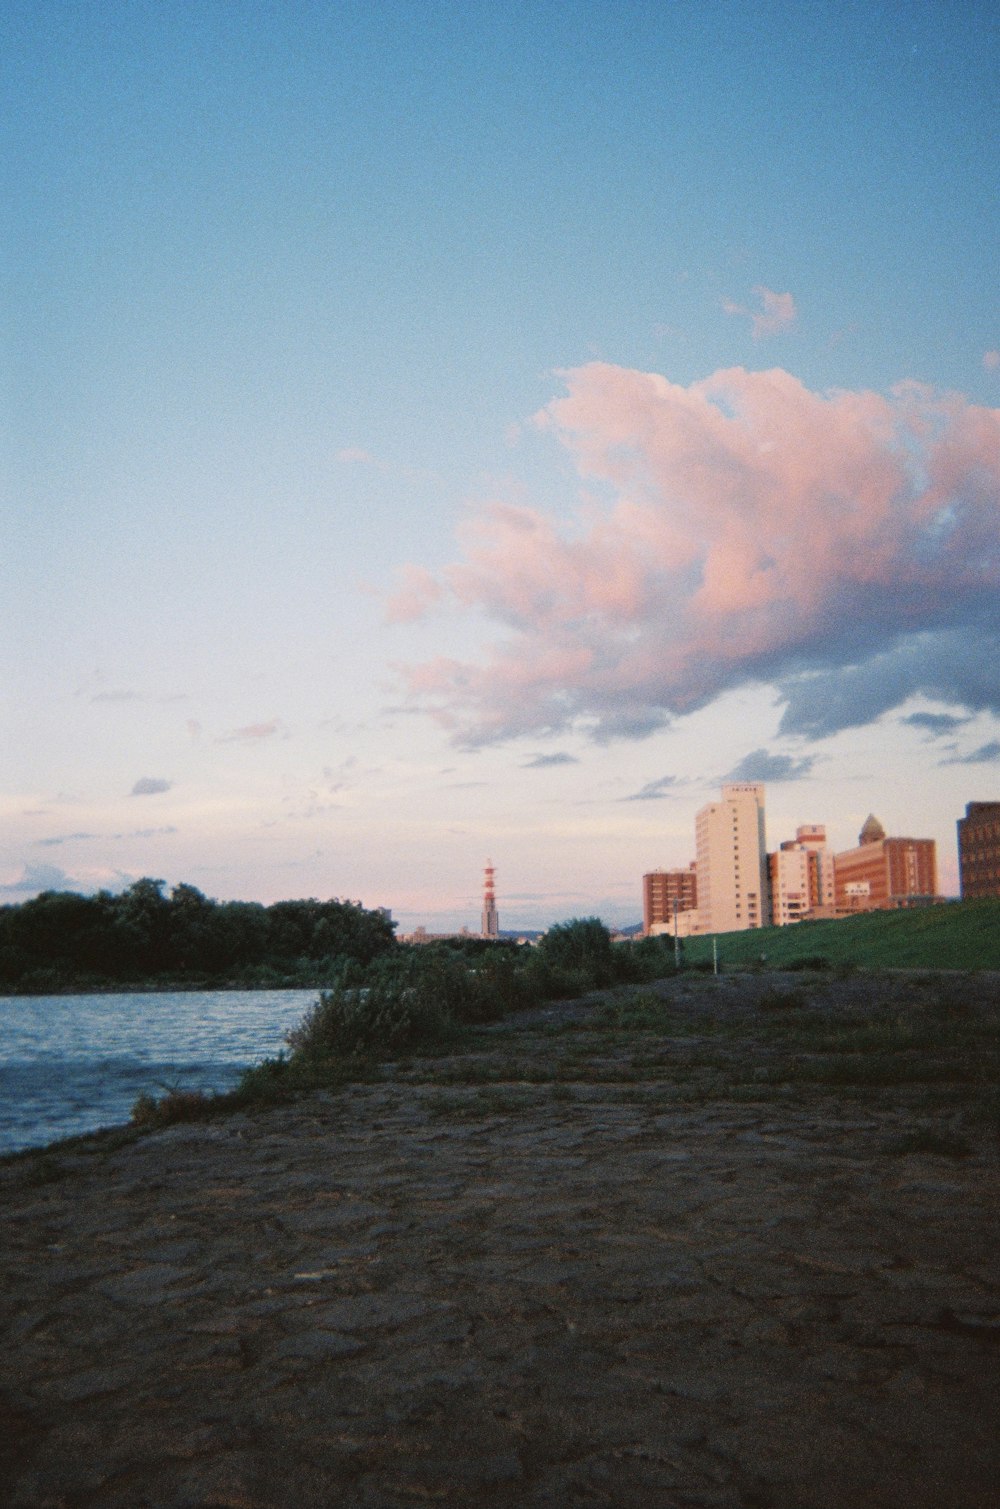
724, 1244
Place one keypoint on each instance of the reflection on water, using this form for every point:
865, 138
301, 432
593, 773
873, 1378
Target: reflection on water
70, 1064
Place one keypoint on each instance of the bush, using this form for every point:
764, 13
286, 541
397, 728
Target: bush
416, 999
384, 1019
583, 944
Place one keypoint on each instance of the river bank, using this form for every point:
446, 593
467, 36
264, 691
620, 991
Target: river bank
650, 1253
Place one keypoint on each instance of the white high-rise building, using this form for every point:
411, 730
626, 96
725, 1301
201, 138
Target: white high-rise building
732, 861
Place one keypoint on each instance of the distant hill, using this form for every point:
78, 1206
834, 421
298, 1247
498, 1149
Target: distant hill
954, 935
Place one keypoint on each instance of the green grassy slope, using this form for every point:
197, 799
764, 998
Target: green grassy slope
959, 935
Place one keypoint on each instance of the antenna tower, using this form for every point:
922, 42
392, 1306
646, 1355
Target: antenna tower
491, 922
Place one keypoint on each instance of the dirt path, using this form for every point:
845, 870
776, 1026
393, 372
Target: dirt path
458, 1286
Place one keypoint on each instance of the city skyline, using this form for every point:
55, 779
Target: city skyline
431, 435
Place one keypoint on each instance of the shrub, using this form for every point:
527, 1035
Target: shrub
375, 1019
583, 943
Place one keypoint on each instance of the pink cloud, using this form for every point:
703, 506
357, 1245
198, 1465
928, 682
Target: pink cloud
754, 530
417, 592
776, 313
355, 455
991, 360
253, 733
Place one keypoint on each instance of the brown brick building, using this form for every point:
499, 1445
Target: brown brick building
660, 888
979, 850
883, 873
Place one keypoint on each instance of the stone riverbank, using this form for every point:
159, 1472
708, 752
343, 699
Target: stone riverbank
584, 1262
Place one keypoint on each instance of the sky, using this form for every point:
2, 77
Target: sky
435, 432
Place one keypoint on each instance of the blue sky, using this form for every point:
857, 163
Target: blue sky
348, 541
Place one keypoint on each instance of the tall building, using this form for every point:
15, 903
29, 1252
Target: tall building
732, 861
661, 889
883, 873
801, 874
491, 922
979, 850
812, 838
789, 876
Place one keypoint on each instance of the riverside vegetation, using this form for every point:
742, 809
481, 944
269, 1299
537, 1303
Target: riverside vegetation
423, 998
434, 998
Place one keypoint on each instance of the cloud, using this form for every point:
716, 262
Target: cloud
841, 546
64, 838
543, 761
150, 785
35, 878
935, 724
354, 455
253, 733
116, 697
945, 665
759, 765
653, 791
986, 754
776, 313
417, 592
991, 360
76, 838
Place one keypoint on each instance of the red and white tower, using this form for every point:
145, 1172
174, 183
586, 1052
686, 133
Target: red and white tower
491, 922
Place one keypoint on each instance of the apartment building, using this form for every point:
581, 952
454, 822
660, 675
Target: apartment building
789, 871
732, 863
812, 838
979, 850
663, 893
801, 877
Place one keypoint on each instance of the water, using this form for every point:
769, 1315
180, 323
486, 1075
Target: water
71, 1064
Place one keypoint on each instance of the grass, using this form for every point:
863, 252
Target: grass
955, 935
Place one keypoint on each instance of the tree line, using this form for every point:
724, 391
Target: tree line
61, 940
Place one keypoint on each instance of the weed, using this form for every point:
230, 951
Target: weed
928, 1140
176, 1105
44, 1170
864, 1069
774, 999
438, 1105
502, 1102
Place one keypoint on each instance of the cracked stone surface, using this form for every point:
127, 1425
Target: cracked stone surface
609, 1294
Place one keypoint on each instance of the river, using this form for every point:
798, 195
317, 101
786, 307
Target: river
71, 1064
